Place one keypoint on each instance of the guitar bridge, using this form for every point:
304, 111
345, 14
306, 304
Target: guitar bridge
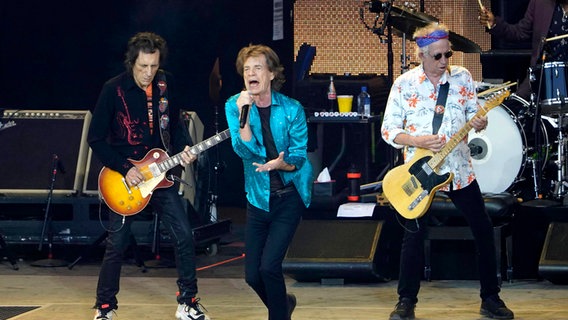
418, 199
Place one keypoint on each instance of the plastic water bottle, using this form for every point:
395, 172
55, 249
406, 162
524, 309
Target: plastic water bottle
364, 103
332, 95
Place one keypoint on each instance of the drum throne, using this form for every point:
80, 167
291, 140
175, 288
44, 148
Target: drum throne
447, 223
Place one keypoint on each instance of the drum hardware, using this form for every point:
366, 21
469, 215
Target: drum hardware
535, 182
550, 81
561, 184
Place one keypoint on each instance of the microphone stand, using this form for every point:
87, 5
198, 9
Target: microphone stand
537, 163
217, 170
49, 262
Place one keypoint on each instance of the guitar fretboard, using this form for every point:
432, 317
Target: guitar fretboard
491, 103
175, 160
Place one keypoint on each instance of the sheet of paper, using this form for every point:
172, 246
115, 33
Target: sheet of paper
355, 210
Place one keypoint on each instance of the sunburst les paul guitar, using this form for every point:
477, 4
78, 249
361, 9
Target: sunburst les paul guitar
410, 187
126, 200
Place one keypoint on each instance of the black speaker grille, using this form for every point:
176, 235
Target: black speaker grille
335, 240
30, 145
556, 246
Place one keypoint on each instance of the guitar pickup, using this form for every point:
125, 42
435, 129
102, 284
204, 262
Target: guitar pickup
126, 185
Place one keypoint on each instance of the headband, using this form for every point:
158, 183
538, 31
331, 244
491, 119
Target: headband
431, 38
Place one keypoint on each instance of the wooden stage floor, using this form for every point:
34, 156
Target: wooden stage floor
68, 294
64, 294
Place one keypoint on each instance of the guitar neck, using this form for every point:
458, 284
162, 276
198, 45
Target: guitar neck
439, 157
196, 149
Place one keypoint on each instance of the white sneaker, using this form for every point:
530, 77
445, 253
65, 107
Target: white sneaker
103, 314
191, 311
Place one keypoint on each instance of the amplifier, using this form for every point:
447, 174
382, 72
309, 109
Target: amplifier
34, 142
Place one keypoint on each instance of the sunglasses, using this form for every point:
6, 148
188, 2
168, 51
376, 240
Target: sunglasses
438, 56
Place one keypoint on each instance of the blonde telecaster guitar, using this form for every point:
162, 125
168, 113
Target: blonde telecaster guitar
410, 187
125, 200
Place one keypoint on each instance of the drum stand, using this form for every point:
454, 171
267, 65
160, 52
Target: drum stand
561, 184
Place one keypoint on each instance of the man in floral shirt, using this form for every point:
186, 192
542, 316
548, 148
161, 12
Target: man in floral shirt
409, 123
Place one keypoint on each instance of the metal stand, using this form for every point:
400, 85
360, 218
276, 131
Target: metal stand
49, 262
9, 253
217, 170
560, 184
158, 262
100, 239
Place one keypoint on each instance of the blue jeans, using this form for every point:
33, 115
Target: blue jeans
267, 236
168, 204
470, 202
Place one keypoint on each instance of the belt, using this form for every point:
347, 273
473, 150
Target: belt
282, 191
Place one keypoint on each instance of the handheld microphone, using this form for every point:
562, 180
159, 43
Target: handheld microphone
244, 115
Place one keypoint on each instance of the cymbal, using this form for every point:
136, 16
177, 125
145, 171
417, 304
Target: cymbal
406, 25
406, 21
463, 44
412, 14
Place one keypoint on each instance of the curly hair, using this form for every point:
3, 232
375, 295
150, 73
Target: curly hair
272, 61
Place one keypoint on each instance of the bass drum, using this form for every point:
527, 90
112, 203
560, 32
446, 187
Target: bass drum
500, 152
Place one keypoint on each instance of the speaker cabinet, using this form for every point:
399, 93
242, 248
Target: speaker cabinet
92, 170
335, 250
34, 139
553, 264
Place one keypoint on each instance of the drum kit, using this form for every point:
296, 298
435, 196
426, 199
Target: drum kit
524, 135
524, 147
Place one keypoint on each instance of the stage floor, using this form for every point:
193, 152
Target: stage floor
59, 294
149, 293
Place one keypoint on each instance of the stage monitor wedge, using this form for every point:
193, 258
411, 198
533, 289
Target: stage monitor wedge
31, 140
330, 251
553, 264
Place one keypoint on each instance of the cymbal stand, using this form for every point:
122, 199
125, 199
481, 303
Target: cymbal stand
404, 59
381, 7
561, 184
537, 164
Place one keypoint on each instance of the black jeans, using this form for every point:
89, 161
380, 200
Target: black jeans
168, 204
267, 237
470, 202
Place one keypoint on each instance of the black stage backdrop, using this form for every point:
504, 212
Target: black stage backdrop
55, 55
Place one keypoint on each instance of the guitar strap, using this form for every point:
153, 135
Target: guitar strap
440, 107
163, 107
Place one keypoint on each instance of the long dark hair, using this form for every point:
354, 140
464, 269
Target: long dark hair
146, 42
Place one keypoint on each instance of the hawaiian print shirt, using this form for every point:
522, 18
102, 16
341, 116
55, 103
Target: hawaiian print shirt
410, 110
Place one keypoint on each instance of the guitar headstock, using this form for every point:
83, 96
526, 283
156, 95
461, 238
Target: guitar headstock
494, 100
